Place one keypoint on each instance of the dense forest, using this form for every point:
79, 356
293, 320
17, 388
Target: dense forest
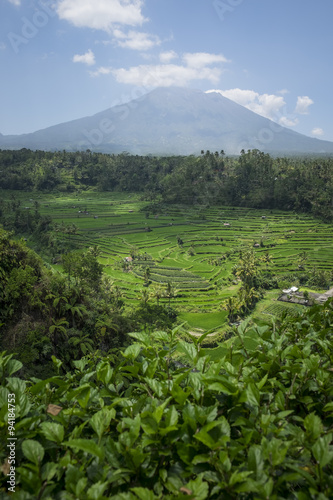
254, 179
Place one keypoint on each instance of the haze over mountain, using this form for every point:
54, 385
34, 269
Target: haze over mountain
171, 121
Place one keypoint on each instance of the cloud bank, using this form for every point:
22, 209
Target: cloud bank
101, 14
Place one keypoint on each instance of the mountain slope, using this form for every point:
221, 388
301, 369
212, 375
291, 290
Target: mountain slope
171, 121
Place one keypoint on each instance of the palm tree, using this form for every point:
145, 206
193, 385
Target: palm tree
144, 296
231, 306
82, 342
170, 292
146, 275
158, 293
58, 327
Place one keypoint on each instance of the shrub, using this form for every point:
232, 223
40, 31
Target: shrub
255, 424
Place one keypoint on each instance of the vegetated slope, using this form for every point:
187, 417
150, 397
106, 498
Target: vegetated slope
171, 121
257, 423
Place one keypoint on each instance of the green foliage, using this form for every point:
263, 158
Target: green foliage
255, 424
44, 314
254, 179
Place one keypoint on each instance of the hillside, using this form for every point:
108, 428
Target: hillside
171, 121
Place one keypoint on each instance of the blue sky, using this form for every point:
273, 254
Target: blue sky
66, 59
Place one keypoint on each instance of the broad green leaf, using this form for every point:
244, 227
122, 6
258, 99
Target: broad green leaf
228, 389
141, 337
50, 469
251, 395
132, 352
179, 395
144, 494
104, 372
33, 451
215, 434
155, 386
328, 407
187, 349
137, 456
96, 491
158, 412
313, 426
52, 431
262, 382
39, 386
250, 343
171, 417
199, 488
82, 394
239, 477
100, 421
255, 461
80, 364
322, 450
16, 385
13, 366
86, 445
162, 336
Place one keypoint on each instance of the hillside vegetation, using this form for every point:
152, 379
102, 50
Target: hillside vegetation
142, 345
255, 424
253, 179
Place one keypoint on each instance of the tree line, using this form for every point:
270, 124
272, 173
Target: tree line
253, 179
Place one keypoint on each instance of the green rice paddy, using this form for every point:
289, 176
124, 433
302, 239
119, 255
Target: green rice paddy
200, 269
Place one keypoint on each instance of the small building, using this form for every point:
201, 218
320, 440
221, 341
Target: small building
256, 245
263, 216
293, 289
128, 259
226, 224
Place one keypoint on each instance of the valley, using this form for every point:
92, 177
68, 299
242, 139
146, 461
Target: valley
193, 250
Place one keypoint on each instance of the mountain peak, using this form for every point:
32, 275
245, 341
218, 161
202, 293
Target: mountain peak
171, 120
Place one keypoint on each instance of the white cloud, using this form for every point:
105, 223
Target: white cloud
283, 91
317, 131
87, 58
2, 46
202, 59
270, 106
101, 71
101, 14
166, 57
303, 103
167, 75
267, 105
15, 2
288, 122
135, 40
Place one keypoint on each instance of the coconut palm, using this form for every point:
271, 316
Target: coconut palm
232, 306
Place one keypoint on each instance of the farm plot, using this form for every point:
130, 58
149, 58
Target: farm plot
191, 248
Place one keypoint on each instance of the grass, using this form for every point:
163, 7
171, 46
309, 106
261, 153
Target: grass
116, 223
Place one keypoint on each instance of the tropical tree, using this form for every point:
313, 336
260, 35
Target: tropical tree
146, 275
81, 344
158, 292
170, 292
231, 306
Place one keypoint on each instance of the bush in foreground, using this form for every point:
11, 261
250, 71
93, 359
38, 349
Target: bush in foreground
257, 424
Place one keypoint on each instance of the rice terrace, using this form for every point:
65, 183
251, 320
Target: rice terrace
186, 255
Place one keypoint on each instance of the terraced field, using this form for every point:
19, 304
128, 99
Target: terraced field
200, 269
